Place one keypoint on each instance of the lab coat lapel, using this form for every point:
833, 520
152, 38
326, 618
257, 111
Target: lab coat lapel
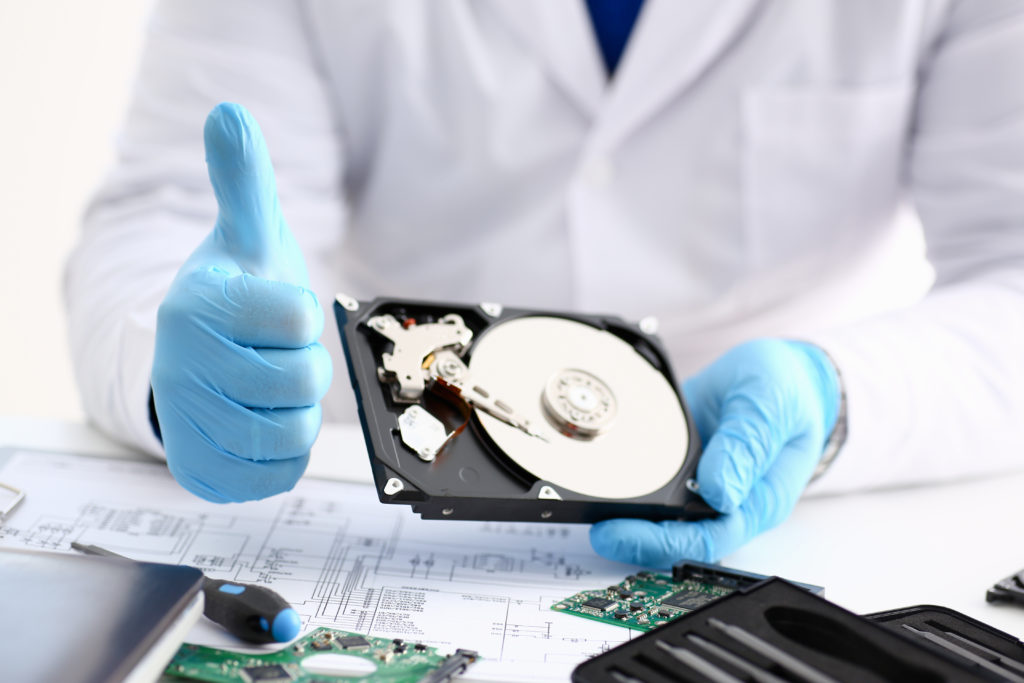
673, 45
561, 35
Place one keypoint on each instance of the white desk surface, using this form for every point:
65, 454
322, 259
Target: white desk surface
942, 545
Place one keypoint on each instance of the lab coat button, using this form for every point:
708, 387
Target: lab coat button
599, 172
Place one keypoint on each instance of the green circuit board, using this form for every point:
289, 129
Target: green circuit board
643, 600
392, 661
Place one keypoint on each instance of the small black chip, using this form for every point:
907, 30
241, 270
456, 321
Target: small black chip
621, 614
625, 594
635, 606
687, 600
273, 673
419, 647
353, 642
599, 604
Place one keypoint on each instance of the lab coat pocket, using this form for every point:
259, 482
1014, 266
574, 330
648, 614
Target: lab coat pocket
822, 168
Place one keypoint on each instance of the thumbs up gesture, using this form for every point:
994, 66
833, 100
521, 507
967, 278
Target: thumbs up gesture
237, 370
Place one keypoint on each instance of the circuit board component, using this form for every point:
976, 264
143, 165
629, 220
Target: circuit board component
645, 600
380, 659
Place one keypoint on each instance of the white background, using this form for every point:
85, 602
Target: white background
66, 69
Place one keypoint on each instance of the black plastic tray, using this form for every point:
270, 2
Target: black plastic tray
777, 632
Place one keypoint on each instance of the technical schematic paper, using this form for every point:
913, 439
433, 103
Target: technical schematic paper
339, 556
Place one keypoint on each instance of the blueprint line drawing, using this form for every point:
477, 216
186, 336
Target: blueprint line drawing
339, 556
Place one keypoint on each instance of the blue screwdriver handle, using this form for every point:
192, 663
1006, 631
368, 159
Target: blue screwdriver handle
253, 613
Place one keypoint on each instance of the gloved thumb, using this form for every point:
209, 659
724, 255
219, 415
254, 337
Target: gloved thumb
249, 223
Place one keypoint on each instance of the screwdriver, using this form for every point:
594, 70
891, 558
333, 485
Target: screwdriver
253, 613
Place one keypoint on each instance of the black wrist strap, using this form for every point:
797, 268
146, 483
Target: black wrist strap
838, 436
154, 422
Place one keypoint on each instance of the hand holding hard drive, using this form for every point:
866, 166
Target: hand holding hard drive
764, 411
483, 412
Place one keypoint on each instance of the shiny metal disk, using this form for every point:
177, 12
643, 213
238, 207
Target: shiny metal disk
637, 452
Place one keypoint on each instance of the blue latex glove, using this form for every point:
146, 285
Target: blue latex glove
237, 372
764, 410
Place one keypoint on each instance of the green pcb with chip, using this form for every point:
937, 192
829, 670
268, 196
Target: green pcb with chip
645, 600
377, 659
642, 601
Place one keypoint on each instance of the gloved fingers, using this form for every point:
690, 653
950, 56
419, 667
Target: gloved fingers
271, 314
769, 503
704, 402
662, 544
252, 433
745, 444
780, 488
271, 378
245, 309
249, 223
651, 544
237, 479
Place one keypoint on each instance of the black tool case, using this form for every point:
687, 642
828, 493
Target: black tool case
774, 632
946, 629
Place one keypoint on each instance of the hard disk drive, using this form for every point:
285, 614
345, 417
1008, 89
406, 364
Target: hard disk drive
480, 412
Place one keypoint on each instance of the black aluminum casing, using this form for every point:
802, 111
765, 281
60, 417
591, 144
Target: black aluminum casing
471, 478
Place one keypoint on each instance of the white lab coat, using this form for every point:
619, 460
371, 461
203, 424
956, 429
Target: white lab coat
746, 173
